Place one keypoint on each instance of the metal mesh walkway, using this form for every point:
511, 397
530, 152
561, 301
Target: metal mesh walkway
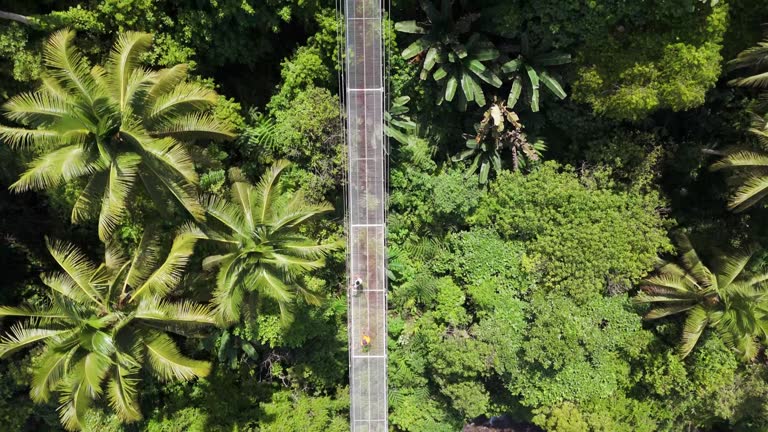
366, 215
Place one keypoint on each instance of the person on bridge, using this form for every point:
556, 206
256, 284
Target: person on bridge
366, 343
357, 286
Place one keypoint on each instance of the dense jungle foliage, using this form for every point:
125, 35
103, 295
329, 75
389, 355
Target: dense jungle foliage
577, 215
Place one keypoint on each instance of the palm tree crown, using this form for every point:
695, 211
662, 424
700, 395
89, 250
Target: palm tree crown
112, 125
266, 253
724, 296
751, 167
103, 323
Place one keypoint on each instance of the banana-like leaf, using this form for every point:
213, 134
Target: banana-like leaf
485, 168
416, 48
512, 66
440, 74
514, 93
467, 86
409, 27
533, 79
450, 88
552, 85
431, 59
552, 59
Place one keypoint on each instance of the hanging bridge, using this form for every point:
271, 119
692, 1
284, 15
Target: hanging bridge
364, 95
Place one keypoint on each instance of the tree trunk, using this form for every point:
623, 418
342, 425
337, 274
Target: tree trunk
16, 17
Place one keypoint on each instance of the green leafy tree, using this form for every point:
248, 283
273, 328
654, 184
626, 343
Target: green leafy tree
500, 129
639, 58
265, 250
103, 323
583, 236
114, 125
724, 296
452, 54
527, 74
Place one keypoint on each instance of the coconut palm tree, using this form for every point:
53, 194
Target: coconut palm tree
264, 250
113, 125
724, 296
103, 323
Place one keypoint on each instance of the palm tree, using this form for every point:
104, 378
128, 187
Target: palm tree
753, 61
724, 296
265, 251
103, 323
113, 125
752, 167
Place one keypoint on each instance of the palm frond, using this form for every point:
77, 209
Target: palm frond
229, 294
741, 158
730, 268
21, 335
56, 167
167, 276
270, 285
49, 371
694, 326
753, 189
693, 264
265, 191
145, 259
121, 390
292, 264
75, 399
166, 80
298, 211
122, 177
18, 138
88, 203
309, 249
244, 196
63, 284
167, 362
182, 191
228, 214
174, 155
48, 314
68, 66
76, 265
194, 126
139, 83
759, 80
213, 261
36, 109
183, 98
661, 312
670, 285
185, 312
95, 368
122, 63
